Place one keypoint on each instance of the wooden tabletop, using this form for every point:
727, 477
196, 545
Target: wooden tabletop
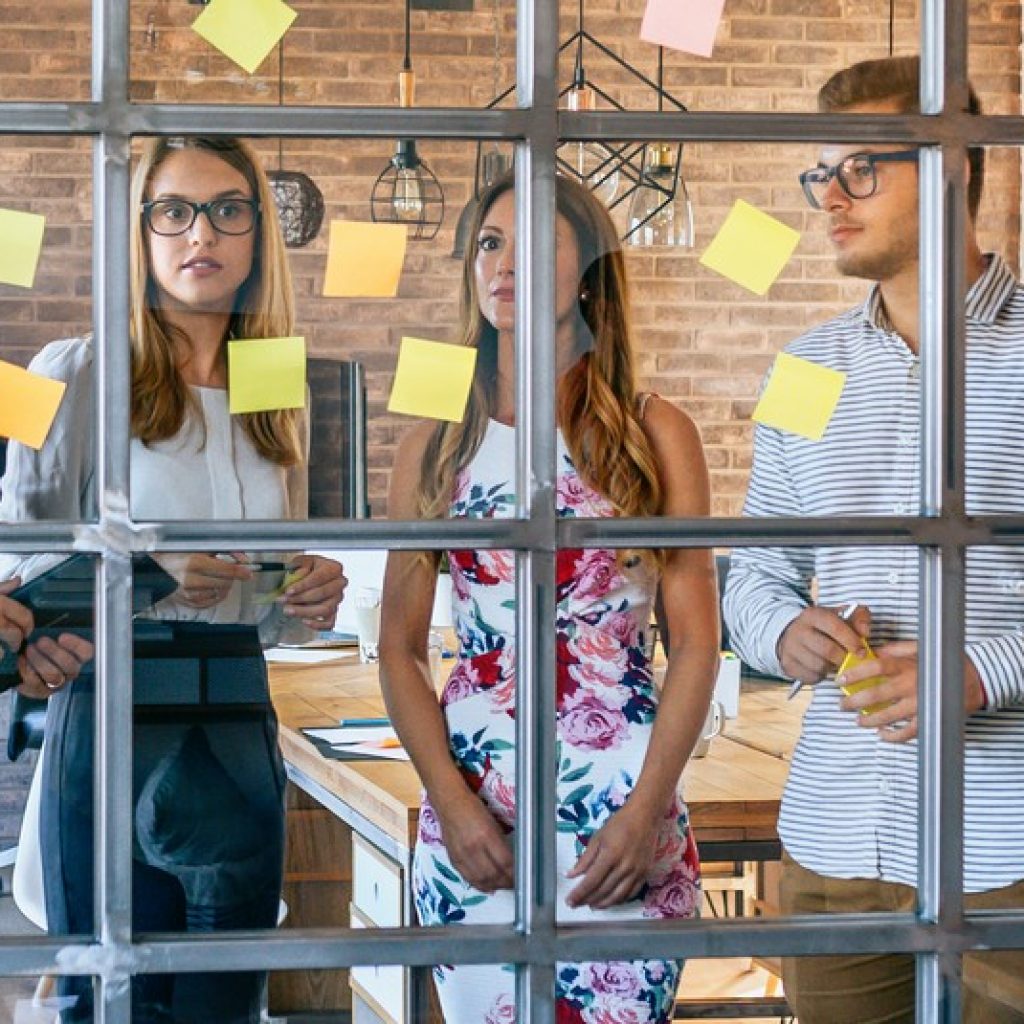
733, 793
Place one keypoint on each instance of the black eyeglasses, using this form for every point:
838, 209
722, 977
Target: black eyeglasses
230, 216
856, 175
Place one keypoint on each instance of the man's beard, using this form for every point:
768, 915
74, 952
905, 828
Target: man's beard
880, 265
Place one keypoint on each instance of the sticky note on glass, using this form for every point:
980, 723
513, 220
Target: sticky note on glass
800, 397
432, 379
853, 661
244, 30
22, 235
751, 248
266, 373
687, 25
28, 403
364, 260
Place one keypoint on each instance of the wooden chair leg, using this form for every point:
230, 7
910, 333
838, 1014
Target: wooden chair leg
44, 989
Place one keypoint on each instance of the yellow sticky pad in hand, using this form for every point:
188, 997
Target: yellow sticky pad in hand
266, 373
28, 404
364, 260
800, 397
23, 239
853, 660
751, 248
244, 30
272, 595
432, 379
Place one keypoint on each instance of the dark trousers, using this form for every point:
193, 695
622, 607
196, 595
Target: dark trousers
208, 844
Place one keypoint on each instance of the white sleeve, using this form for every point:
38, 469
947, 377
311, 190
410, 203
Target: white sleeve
55, 482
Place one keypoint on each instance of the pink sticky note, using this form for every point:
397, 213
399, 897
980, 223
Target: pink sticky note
687, 25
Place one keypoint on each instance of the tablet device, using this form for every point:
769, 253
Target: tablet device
62, 597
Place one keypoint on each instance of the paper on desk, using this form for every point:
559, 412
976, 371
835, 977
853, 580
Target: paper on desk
266, 373
306, 656
244, 30
800, 397
339, 736
751, 247
364, 260
687, 25
432, 379
23, 239
28, 404
373, 750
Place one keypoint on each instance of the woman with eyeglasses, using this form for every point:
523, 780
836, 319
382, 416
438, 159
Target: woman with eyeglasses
208, 265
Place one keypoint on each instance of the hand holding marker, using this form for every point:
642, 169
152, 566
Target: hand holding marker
846, 614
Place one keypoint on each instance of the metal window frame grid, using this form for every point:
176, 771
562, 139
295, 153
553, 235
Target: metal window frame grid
939, 933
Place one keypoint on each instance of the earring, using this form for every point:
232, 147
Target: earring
584, 295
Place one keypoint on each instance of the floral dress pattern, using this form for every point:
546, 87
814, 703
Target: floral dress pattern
606, 706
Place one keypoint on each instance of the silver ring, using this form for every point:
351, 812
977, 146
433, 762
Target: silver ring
54, 686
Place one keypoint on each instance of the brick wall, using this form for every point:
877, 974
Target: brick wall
704, 342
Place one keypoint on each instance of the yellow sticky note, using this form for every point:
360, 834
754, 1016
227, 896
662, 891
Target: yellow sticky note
432, 379
244, 30
266, 373
852, 661
751, 248
364, 260
22, 235
28, 403
800, 397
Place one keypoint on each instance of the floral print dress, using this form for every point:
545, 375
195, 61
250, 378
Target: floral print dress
606, 707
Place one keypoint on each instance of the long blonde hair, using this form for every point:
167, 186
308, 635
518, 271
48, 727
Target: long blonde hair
264, 308
597, 397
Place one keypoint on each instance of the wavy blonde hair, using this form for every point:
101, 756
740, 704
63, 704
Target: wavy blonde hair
597, 397
264, 308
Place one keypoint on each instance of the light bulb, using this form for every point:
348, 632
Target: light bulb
407, 201
596, 169
660, 212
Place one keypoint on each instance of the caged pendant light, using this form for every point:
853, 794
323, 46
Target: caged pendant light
407, 191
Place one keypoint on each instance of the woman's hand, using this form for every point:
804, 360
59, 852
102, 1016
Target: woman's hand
476, 844
205, 579
616, 861
315, 591
51, 663
15, 619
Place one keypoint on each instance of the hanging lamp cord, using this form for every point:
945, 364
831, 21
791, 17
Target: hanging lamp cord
407, 63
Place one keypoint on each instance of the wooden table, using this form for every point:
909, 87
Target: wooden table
733, 793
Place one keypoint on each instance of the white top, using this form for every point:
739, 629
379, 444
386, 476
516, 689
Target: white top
209, 470
850, 805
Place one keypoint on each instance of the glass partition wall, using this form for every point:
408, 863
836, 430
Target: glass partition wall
936, 933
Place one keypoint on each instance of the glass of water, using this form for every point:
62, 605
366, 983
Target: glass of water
367, 608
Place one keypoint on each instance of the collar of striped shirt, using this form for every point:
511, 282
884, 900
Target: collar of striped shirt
985, 298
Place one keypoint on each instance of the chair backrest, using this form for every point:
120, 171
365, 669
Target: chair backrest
337, 457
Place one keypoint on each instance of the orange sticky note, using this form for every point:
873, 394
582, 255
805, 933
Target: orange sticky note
800, 397
852, 661
432, 379
687, 25
244, 30
22, 235
364, 260
266, 373
28, 404
751, 248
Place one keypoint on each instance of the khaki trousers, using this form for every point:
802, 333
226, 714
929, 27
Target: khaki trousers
875, 989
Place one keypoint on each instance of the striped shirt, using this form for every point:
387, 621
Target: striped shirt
850, 804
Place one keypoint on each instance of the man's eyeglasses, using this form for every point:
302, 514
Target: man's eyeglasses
856, 175
229, 216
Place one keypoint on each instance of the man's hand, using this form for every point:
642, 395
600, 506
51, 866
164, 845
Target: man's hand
896, 665
814, 644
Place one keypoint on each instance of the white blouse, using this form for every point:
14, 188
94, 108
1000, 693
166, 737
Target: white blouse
209, 470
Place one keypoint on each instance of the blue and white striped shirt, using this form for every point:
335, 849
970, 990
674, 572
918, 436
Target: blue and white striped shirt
850, 804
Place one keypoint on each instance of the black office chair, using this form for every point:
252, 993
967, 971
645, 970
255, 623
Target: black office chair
337, 455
